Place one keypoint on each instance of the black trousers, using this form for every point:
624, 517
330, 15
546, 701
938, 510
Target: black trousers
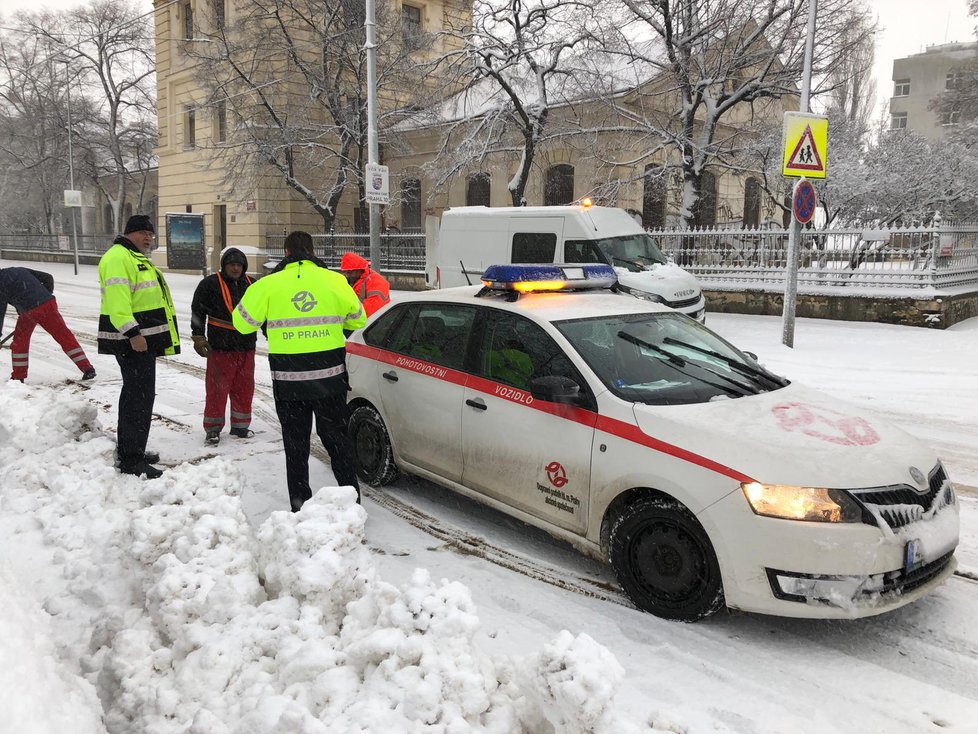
135, 405
332, 416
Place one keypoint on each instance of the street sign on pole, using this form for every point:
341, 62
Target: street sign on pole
806, 145
803, 201
378, 189
73, 198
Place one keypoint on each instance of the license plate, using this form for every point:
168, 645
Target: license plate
913, 557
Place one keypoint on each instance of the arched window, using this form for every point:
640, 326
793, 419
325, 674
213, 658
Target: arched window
107, 221
559, 188
705, 211
752, 203
411, 204
654, 197
477, 189
128, 213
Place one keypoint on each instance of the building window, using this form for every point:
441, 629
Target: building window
898, 121
705, 211
752, 203
190, 128
410, 23
654, 197
188, 21
559, 187
901, 88
221, 121
953, 80
219, 15
411, 205
951, 117
477, 190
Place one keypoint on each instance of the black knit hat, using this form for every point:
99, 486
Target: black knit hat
139, 223
234, 255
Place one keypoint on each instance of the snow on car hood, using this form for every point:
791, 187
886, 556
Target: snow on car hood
795, 436
669, 281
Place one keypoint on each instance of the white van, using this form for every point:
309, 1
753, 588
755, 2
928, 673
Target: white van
471, 238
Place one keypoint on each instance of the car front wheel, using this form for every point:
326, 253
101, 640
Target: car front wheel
664, 560
372, 445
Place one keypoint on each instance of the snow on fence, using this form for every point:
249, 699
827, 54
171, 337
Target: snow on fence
400, 252
904, 257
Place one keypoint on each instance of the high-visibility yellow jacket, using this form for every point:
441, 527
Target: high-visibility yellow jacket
305, 308
135, 302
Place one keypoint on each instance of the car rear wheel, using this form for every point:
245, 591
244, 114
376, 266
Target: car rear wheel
664, 560
372, 445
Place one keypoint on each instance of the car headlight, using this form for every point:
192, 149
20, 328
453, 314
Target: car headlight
644, 295
814, 504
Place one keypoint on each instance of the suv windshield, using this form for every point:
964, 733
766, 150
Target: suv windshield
665, 359
634, 251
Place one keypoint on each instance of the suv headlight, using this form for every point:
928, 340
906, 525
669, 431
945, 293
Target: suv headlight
644, 295
814, 504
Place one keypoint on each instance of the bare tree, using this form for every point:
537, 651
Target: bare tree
290, 77
32, 131
726, 66
109, 50
515, 65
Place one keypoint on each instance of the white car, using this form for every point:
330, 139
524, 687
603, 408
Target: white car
645, 439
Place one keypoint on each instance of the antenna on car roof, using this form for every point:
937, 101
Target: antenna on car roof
464, 272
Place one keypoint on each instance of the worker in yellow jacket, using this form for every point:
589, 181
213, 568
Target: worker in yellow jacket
137, 324
306, 309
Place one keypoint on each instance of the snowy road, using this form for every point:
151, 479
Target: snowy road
914, 670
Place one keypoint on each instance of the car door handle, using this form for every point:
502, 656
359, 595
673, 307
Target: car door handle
477, 404
392, 376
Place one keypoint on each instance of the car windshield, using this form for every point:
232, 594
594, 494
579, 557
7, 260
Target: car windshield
634, 251
665, 359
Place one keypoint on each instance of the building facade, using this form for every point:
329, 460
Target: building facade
918, 80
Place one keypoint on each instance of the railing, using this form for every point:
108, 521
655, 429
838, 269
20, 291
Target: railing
88, 244
896, 258
400, 252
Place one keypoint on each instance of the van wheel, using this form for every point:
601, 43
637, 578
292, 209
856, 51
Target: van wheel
372, 446
664, 560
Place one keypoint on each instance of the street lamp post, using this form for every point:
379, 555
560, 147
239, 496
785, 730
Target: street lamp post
372, 146
71, 167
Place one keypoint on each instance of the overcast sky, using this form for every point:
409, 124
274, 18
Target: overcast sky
908, 26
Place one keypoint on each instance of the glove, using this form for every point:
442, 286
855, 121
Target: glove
202, 346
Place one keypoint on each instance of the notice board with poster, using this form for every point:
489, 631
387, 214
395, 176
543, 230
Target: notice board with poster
185, 242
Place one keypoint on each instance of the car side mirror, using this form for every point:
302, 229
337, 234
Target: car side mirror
555, 389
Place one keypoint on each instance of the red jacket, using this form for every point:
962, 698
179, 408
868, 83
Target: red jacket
371, 288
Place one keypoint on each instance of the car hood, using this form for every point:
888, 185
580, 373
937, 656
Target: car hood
669, 281
794, 436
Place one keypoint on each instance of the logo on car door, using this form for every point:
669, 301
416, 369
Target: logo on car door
556, 474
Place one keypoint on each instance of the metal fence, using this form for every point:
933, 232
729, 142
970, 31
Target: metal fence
400, 252
899, 257
88, 244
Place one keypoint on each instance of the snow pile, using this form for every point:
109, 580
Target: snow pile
197, 624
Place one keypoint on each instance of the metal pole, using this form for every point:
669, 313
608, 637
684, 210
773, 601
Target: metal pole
794, 233
71, 168
372, 146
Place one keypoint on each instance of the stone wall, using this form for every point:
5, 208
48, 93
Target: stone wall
939, 312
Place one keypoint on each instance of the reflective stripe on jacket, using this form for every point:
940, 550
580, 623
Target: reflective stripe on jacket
305, 309
373, 290
135, 302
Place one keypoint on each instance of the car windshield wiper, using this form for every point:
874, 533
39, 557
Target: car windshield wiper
678, 364
741, 367
633, 263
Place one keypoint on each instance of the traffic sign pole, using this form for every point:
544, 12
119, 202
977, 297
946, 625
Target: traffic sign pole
794, 234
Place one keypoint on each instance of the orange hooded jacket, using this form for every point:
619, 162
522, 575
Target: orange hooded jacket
371, 288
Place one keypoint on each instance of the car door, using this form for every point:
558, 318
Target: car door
421, 386
530, 454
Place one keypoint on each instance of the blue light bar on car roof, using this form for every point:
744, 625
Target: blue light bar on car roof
532, 277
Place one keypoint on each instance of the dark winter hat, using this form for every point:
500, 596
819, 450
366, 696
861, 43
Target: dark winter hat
139, 223
234, 255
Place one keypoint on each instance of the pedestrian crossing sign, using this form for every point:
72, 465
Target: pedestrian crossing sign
806, 145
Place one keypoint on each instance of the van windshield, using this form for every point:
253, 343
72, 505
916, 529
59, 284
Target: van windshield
665, 359
633, 251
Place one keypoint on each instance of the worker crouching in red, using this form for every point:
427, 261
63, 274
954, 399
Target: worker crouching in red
230, 355
371, 287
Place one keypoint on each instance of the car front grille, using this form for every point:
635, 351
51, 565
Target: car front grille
904, 582
900, 505
685, 303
